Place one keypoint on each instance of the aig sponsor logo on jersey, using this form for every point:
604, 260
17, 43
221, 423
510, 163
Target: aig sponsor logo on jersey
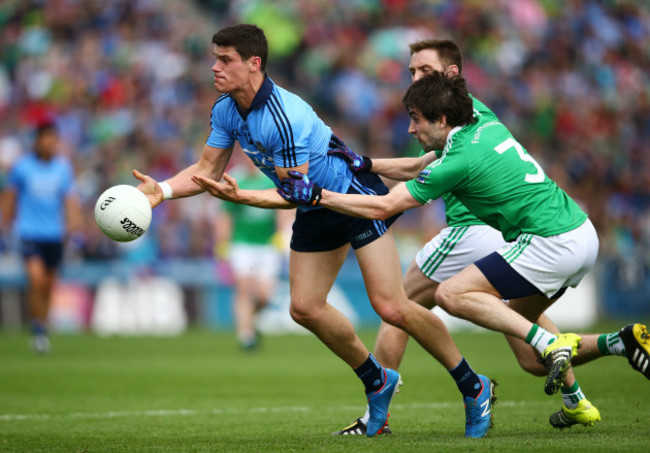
423, 175
260, 147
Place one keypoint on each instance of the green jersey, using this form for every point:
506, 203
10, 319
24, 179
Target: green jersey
490, 173
251, 225
456, 212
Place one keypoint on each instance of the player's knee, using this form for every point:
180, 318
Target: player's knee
532, 366
390, 314
302, 314
447, 299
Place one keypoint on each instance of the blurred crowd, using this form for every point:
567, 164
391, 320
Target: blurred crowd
129, 85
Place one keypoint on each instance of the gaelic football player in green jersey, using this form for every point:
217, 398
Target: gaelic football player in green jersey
248, 238
554, 244
465, 240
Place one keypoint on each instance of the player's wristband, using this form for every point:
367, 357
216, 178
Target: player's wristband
316, 195
367, 163
166, 190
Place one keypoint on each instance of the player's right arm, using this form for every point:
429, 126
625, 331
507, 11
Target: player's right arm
7, 208
399, 169
402, 168
261, 198
211, 164
8, 198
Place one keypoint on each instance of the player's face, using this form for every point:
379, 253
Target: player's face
230, 71
424, 62
432, 136
47, 144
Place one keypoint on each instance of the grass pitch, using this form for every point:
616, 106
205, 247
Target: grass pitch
200, 393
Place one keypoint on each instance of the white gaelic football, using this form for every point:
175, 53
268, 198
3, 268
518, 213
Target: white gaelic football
123, 213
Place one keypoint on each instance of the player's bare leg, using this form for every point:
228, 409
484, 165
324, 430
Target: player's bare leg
527, 357
244, 310
465, 294
382, 276
381, 269
469, 295
264, 292
391, 341
311, 277
39, 295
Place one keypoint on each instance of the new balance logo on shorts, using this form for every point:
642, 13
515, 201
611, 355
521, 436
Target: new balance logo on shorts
364, 235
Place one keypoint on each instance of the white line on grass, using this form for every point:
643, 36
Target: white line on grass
191, 412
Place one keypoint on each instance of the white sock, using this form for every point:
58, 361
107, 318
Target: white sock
366, 416
615, 344
541, 338
572, 396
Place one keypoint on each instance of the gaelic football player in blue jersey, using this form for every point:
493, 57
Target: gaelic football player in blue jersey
280, 133
40, 203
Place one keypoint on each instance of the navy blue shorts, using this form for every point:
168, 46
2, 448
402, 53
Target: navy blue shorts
321, 230
507, 281
50, 252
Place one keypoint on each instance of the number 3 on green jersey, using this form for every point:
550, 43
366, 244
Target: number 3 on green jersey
512, 143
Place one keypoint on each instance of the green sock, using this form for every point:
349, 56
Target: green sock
611, 344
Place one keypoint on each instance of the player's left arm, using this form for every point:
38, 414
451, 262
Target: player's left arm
370, 206
402, 168
71, 202
399, 168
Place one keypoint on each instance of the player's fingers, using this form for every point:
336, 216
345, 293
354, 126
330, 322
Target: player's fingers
284, 193
202, 182
139, 175
287, 184
229, 179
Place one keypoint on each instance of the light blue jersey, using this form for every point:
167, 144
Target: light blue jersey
41, 188
279, 129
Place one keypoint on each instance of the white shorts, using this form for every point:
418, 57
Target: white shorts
263, 261
455, 248
554, 262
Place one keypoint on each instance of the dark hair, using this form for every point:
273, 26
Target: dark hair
45, 126
436, 95
448, 51
248, 40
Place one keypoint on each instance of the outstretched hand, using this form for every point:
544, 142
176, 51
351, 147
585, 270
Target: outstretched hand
356, 163
299, 189
227, 190
150, 188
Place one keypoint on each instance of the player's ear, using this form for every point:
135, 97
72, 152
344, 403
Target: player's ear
255, 63
452, 71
